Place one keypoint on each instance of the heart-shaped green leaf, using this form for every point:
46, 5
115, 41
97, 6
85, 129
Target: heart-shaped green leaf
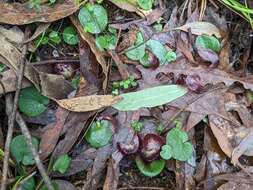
54, 37
20, 150
93, 18
61, 164
151, 169
166, 152
208, 42
70, 35
29, 184
150, 97
160, 52
31, 102
137, 51
145, 4
99, 134
106, 42
177, 140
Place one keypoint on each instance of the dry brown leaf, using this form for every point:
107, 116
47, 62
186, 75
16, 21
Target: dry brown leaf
91, 41
9, 80
40, 29
19, 14
207, 75
50, 137
244, 148
88, 103
130, 6
52, 86
199, 28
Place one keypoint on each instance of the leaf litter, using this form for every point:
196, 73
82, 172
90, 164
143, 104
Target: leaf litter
144, 70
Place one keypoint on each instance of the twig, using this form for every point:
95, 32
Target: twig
28, 138
11, 119
53, 61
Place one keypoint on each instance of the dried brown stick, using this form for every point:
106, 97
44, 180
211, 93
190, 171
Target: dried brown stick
11, 119
28, 137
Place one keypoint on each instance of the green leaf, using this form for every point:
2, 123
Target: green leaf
70, 35
150, 97
145, 4
93, 18
99, 134
55, 185
106, 42
152, 169
160, 52
2, 67
208, 42
170, 56
54, 37
52, 1
76, 81
20, 150
61, 164
177, 139
31, 102
29, 184
137, 51
166, 152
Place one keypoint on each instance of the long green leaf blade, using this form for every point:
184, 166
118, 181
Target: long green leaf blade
150, 97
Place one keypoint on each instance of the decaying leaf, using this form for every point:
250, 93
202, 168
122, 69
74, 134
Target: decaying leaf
91, 41
19, 14
207, 75
200, 28
52, 86
88, 103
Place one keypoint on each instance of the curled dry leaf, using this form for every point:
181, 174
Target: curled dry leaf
200, 28
9, 80
19, 14
52, 86
88, 103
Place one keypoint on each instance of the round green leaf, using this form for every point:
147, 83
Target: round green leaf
166, 152
182, 151
20, 150
93, 18
61, 164
99, 134
137, 51
29, 184
176, 135
31, 102
70, 35
208, 42
152, 169
106, 42
54, 37
145, 4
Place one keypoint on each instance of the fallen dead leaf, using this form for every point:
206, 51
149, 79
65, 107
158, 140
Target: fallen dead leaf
88, 103
20, 14
207, 75
200, 28
91, 41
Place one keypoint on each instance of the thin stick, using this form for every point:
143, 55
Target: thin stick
28, 138
11, 119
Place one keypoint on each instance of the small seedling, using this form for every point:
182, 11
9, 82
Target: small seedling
123, 85
62, 164
137, 126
